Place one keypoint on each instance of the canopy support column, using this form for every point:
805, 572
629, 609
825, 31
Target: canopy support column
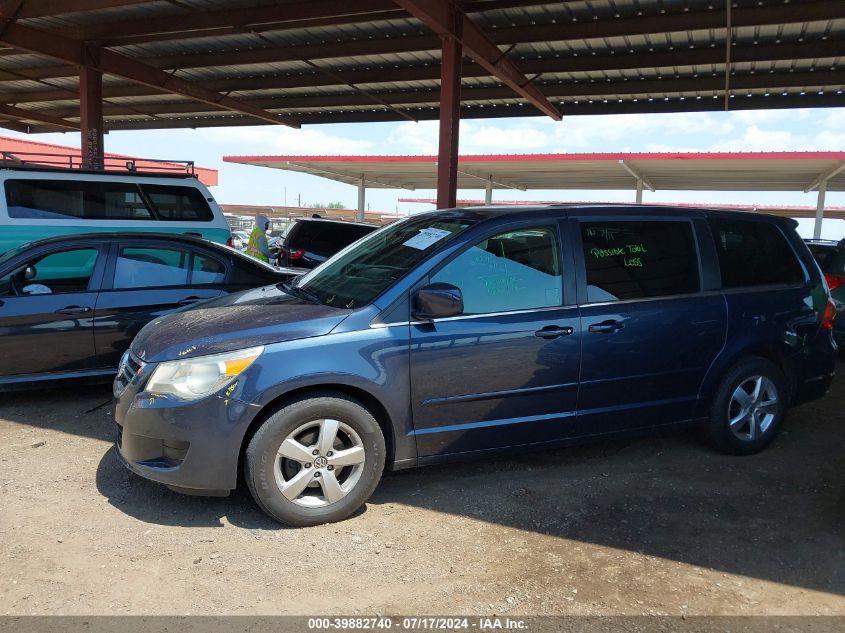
488, 192
362, 192
817, 229
450, 111
639, 190
91, 116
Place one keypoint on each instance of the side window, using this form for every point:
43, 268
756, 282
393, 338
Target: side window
76, 200
754, 253
64, 271
635, 260
151, 267
207, 270
179, 203
517, 270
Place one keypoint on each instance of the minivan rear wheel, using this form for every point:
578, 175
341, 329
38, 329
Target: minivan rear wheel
748, 408
315, 460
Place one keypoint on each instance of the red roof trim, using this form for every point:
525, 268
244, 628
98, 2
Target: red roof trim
206, 175
540, 158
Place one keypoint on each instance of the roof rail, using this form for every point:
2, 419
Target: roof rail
70, 161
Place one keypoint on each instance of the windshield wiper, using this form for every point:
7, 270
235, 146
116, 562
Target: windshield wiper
296, 291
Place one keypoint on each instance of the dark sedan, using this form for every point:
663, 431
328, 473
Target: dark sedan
70, 306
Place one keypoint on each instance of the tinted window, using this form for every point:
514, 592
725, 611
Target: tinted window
754, 254
207, 270
151, 267
823, 254
518, 270
62, 199
325, 238
65, 271
635, 260
178, 203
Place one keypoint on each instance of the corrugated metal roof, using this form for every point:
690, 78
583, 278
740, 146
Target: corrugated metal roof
588, 55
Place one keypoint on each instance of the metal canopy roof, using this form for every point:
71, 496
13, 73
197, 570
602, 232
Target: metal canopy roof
736, 171
198, 63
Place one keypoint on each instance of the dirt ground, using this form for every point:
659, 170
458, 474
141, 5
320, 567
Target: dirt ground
657, 525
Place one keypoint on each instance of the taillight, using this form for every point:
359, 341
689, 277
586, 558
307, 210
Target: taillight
835, 281
230, 242
298, 254
829, 315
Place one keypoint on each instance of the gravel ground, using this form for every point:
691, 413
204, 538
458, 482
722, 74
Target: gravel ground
656, 525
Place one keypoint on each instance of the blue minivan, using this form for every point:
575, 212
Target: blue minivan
463, 333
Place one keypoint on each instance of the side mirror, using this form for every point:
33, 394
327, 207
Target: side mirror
437, 301
30, 273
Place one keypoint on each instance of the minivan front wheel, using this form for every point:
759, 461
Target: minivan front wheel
748, 408
315, 460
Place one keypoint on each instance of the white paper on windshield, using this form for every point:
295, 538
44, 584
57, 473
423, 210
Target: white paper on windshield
425, 238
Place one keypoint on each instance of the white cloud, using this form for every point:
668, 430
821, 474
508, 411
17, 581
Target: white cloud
409, 137
477, 139
290, 140
755, 139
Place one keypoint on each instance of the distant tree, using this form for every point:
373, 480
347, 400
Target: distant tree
330, 205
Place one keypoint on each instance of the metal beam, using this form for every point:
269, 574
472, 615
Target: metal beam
9, 12
49, 8
822, 178
436, 14
502, 182
74, 52
641, 180
599, 106
275, 17
352, 178
451, 55
488, 192
362, 193
91, 116
30, 115
817, 228
585, 89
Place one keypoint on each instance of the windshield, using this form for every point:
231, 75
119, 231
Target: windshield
362, 271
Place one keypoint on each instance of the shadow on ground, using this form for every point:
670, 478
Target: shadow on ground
778, 516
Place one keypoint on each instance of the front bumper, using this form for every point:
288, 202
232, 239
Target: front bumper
192, 446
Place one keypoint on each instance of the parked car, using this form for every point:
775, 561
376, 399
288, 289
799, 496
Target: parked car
70, 306
309, 242
240, 239
42, 202
830, 256
470, 332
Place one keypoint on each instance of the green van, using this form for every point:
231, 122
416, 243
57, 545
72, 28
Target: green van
36, 203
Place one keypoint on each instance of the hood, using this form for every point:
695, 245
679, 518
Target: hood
254, 317
261, 221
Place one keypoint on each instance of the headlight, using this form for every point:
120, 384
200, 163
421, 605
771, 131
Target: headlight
195, 378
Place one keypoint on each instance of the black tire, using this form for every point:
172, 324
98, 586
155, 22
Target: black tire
260, 458
717, 431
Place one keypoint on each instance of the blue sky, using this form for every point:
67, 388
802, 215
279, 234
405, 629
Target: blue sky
806, 129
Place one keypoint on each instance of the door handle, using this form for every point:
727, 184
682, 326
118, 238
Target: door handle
74, 310
606, 327
553, 331
188, 301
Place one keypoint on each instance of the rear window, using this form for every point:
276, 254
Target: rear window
637, 260
89, 200
325, 238
178, 203
754, 253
